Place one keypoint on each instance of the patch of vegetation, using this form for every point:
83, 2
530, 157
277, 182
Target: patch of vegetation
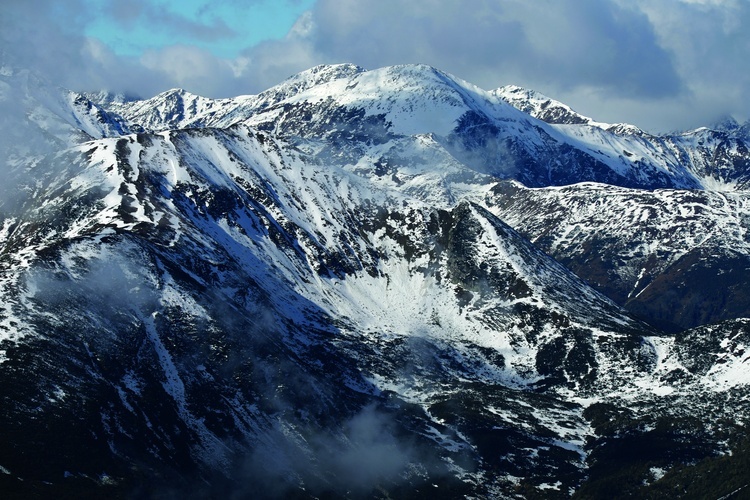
726, 476
630, 455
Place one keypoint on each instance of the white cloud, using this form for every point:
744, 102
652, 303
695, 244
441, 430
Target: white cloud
190, 68
660, 65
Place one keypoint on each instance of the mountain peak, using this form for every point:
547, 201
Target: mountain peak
107, 98
176, 91
318, 75
341, 70
726, 123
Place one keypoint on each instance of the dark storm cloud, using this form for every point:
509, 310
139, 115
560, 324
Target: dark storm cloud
710, 46
615, 60
572, 42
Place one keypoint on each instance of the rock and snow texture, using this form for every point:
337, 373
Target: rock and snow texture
639, 247
282, 289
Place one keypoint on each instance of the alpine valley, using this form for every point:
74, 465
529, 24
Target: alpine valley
368, 284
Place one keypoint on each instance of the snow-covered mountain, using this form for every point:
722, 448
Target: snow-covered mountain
368, 283
509, 133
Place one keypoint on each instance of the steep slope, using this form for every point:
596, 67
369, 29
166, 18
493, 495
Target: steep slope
716, 157
168, 349
541, 107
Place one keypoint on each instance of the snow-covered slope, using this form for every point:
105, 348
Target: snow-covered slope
482, 131
318, 291
175, 109
222, 242
712, 158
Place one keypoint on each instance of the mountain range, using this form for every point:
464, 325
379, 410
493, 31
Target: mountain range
385, 283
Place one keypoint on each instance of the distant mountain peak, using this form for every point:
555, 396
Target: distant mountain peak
726, 123
317, 75
106, 98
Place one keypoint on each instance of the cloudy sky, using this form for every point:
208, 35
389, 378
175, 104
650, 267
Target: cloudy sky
660, 64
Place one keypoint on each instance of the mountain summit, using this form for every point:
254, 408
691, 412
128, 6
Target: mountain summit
368, 283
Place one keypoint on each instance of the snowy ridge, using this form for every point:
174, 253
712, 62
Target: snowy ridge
540, 106
411, 100
558, 145
178, 109
555, 112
